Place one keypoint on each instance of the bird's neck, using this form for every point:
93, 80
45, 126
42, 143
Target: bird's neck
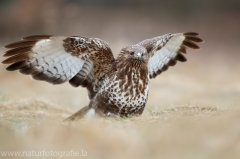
135, 69
133, 80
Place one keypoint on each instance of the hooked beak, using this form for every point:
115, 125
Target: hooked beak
138, 55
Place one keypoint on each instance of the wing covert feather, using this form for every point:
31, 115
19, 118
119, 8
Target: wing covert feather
166, 50
56, 59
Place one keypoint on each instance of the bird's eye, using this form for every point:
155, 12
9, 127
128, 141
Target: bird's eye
131, 53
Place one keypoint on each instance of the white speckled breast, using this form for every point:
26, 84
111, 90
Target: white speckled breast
129, 95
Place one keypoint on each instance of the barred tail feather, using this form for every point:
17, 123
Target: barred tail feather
85, 112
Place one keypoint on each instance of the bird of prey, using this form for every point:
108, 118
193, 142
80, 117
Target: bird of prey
116, 86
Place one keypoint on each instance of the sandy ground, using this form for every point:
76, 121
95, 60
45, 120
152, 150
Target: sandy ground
192, 112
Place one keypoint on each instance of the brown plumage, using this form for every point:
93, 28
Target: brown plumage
116, 87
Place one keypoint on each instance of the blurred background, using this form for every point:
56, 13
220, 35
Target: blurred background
210, 77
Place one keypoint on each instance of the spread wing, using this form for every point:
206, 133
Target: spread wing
166, 50
57, 59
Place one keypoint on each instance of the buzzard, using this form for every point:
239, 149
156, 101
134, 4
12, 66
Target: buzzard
116, 86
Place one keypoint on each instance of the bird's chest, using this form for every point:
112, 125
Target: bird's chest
127, 95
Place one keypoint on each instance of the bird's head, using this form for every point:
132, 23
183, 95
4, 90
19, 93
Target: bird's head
133, 53
132, 58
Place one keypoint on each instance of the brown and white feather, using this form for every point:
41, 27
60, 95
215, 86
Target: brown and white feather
57, 59
164, 51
